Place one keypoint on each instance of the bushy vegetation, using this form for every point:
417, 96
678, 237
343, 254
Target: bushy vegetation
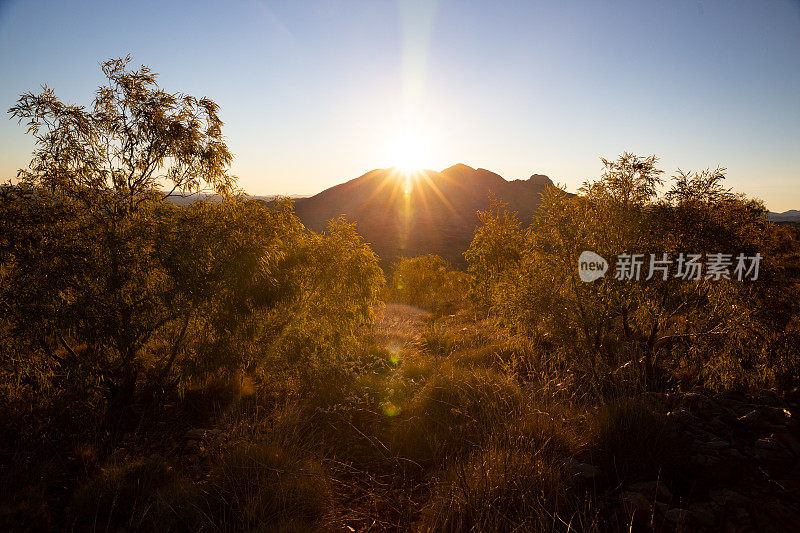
724, 331
115, 299
428, 282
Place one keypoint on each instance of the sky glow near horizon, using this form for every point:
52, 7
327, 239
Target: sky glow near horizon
315, 93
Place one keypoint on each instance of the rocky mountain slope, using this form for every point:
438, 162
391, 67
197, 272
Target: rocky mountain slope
403, 214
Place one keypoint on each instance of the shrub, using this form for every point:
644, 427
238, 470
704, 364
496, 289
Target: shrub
456, 410
726, 331
502, 489
549, 429
269, 485
121, 495
438, 340
631, 442
496, 355
427, 282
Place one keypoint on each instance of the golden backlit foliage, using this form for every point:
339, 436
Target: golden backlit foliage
726, 332
428, 282
112, 292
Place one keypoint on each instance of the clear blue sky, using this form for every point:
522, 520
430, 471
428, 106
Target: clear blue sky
314, 93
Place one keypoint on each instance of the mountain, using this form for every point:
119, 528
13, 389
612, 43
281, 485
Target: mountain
178, 199
791, 216
430, 212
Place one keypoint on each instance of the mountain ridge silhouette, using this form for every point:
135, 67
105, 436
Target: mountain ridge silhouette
426, 212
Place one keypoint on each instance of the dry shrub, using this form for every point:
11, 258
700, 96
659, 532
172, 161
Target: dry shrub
267, 485
503, 489
344, 412
631, 441
181, 505
122, 496
549, 429
23, 495
212, 396
456, 410
495, 355
427, 282
438, 340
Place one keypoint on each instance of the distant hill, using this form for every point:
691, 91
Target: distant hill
791, 216
213, 198
437, 214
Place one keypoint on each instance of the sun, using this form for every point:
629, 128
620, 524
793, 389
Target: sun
410, 152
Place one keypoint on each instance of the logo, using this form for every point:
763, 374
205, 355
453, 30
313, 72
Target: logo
688, 266
591, 266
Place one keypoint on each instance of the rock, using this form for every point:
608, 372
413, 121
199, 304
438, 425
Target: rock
769, 398
683, 417
770, 450
727, 415
676, 515
583, 470
702, 435
776, 415
704, 513
794, 395
652, 490
705, 461
776, 515
790, 441
636, 506
725, 497
195, 434
734, 454
770, 443
706, 407
722, 427
752, 420
717, 444
691, 398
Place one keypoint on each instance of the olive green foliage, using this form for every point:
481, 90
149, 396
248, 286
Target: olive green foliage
109, 290
428, 282
337, 280
497, 246
725, 331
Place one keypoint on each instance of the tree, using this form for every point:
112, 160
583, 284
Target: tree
82, 276
135, 138
494, 249
429, 282
723, 330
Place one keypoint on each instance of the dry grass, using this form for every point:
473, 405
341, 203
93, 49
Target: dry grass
504, 489
456, 410
630, 441
268, 486
123, 495
393, 435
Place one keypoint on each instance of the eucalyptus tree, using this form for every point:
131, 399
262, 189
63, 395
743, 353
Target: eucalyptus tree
713, 326
84, 282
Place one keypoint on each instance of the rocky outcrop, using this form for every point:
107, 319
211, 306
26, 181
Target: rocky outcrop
744, 457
